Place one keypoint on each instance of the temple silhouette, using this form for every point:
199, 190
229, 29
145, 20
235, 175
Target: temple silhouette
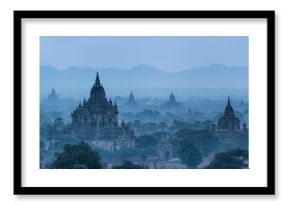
172, 103
131, 100
96, 121
228, 122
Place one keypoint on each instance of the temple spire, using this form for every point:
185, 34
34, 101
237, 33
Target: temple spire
131, 96
245, 125
172, 97
229, 111
97, 80
52, 96
115, 107
229, 102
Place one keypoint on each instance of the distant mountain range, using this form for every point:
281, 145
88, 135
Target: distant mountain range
143, 76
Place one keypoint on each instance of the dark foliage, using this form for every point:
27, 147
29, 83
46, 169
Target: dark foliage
128, 165
146, 141
130, 152
176, 125
148, 114
77, 156
203, 139
234, 159
186, 146
189, 153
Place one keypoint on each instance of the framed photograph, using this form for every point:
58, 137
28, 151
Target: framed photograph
144, 102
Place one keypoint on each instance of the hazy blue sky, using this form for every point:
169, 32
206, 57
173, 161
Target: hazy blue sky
167, 53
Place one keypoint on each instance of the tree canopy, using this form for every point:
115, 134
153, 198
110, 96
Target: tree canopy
234, 159
204, 140
186, 146
77, 156
127, 165
189, 153
146, 141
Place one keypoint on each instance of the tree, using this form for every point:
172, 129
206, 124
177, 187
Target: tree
151, 127
127, 165
137, 124
234, 159
77, 156
178, 125
146, 141
162, 126
189, 153
203, 139
58, 123
186, 146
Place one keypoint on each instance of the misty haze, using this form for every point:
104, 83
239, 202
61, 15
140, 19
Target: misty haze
143, 116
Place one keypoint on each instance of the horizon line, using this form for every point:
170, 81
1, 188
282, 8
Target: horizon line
140, 65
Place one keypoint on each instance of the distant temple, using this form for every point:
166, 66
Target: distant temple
53, 96
172, 103
228, 122
164, 148
131, 100
96, 121
245, 126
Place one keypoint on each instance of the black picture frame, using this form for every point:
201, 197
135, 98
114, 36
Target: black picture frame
19, 189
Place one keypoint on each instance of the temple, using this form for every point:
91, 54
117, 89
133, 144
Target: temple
172, 103
96, 120
131, 100
53, 96
229, 122
97, 112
